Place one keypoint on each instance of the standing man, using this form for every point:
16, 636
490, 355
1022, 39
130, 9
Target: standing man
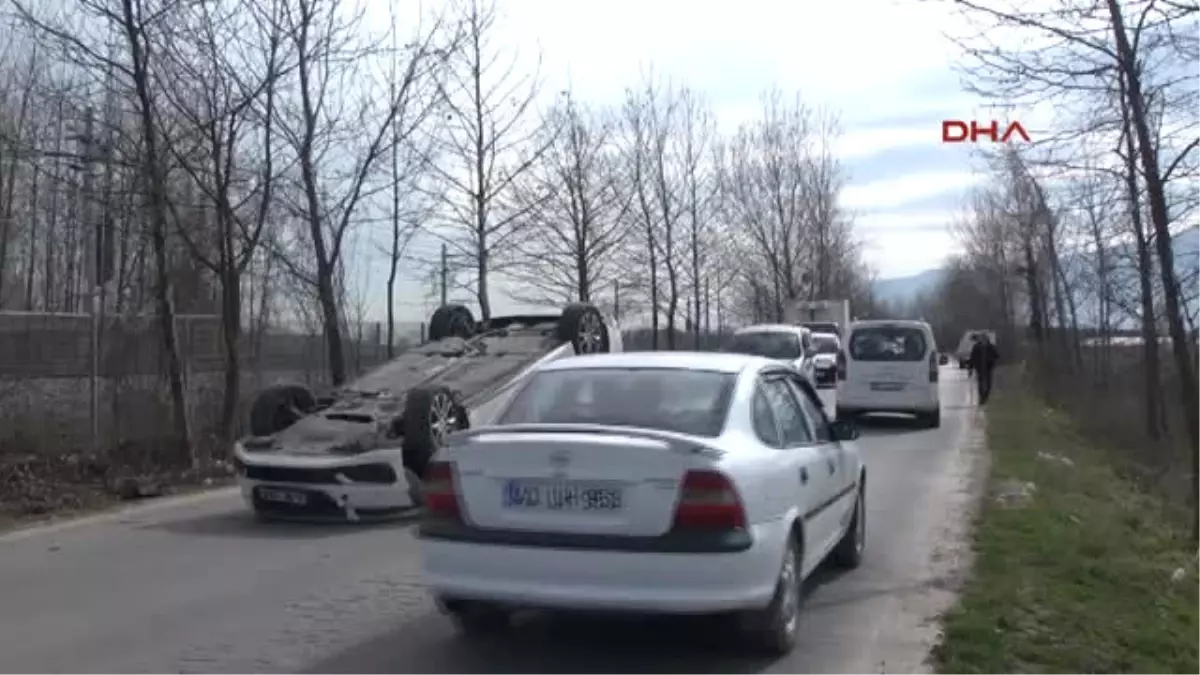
983, 362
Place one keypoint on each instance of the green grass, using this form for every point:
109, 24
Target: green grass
1079, 577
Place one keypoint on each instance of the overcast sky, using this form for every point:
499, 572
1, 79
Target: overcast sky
884, 65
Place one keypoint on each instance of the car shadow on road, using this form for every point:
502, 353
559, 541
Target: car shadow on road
243, 524
551, 642
888, 425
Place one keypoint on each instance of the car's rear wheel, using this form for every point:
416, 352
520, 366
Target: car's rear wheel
430, 415
844, 414
775, 629
583, 326
279, 407
475, 617
451, 321
849, 550
930, 420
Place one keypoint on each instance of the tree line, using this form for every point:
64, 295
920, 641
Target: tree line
1072, 243
229, 157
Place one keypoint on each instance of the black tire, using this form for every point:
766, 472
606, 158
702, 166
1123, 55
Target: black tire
473, 618
426, 424
583, 326
931, 420
451, 321
279, 407
848, 553
774, 630
843, 414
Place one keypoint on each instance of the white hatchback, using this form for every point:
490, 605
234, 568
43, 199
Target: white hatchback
658, 482
890, 367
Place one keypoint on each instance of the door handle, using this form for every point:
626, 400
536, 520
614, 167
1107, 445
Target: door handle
804, 474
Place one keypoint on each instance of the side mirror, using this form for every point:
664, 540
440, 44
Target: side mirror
843, 430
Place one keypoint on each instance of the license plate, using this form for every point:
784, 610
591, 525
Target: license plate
283, 496
560, 496
887, 386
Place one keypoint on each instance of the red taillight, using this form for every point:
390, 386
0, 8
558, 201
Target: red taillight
933, 367
440, 490
841, 365
708, 501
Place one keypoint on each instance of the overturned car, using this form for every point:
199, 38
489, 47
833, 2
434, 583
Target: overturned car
359, 452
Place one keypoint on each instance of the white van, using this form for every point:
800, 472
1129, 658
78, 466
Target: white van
890, 367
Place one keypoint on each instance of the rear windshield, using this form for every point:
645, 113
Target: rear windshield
688, 401
887, 343
825, 344
773, 345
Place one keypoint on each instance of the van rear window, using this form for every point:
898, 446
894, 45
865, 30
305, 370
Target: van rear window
887, 343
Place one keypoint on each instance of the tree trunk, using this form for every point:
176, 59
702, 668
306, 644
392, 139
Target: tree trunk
1156, 194
156, 194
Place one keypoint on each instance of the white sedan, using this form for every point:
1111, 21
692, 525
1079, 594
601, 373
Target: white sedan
657, 482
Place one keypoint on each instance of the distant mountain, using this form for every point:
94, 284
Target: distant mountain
900, 291
1186, 244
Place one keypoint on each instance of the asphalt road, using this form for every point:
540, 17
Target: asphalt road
197, 585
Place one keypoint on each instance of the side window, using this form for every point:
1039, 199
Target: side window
787, 410
764, 419
813, 410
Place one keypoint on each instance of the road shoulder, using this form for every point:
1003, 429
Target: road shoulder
1074, 570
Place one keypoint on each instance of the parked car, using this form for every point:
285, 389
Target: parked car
657, 482
891, 367
359, 452
826, 347
783, 342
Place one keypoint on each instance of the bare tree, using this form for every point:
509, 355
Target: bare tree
222, 64
575, 203
700, 164
338, 163
139, 26
486, 146
1145, 61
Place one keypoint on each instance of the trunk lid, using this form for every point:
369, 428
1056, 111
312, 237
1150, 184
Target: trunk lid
574, 478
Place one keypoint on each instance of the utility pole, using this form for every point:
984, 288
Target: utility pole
95, 272
445, 273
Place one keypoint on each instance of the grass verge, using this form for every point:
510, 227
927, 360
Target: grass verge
1082, 575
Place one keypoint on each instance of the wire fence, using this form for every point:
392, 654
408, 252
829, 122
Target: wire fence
46, 368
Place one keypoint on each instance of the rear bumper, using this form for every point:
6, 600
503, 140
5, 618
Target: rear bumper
910, 404
608, 580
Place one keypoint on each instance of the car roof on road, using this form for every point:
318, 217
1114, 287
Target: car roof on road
714, 361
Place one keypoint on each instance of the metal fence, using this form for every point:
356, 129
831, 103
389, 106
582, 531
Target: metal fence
46, 375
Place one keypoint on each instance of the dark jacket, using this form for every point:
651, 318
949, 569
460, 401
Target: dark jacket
984, 356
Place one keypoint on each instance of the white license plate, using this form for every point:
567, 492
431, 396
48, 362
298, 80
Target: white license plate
283, 496
887, 386
561, 496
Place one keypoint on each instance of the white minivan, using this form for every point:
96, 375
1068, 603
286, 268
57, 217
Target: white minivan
889, 367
